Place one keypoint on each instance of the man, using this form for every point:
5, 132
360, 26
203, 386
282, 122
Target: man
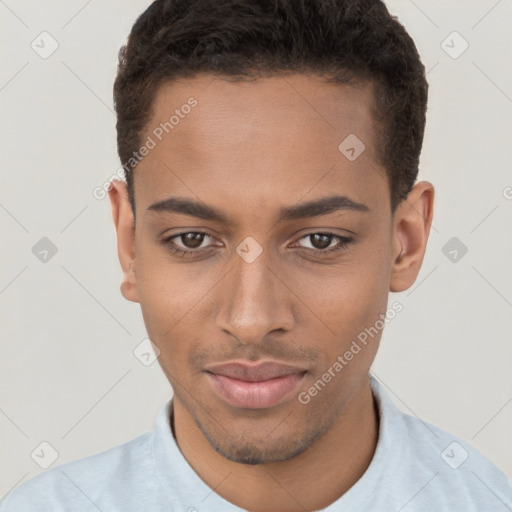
271, 151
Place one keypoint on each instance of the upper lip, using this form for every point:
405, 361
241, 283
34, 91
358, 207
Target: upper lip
253, 372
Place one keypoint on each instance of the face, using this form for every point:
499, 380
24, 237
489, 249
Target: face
265, 278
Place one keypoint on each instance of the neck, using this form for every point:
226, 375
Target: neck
310, 481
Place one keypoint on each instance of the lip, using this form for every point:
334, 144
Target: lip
253, 371
254, 386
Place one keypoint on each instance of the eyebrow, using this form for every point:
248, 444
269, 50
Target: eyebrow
318, 207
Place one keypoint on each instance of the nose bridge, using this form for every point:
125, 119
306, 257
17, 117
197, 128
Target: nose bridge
253, 304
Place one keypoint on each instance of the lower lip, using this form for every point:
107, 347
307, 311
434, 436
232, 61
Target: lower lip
255, 395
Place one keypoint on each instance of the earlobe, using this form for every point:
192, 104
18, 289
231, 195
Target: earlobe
122, 215
412, 221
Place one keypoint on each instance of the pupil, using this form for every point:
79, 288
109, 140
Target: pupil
324, 240
192, 240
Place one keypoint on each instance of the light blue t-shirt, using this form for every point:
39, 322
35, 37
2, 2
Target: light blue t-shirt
416, 467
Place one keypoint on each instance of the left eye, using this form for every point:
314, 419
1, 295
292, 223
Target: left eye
321, 242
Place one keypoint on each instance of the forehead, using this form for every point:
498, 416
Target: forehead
302, 103
259, 139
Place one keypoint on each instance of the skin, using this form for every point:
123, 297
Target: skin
248, 149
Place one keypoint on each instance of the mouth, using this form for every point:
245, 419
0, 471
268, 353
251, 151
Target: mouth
254, 386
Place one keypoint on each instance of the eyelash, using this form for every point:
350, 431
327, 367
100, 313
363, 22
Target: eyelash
344, 242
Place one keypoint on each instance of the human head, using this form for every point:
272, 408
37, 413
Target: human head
271, 110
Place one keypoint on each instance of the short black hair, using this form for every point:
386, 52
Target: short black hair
342, 40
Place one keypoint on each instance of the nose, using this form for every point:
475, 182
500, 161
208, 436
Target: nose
255, 300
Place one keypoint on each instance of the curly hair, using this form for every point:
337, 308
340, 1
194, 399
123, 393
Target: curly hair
343, 40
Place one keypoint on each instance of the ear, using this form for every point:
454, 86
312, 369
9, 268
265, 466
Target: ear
122, 215
411, 227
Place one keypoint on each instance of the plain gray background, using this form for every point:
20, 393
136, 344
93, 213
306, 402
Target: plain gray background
69, 376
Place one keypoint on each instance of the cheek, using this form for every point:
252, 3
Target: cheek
171, 298
345, 298
350, 301
168, 289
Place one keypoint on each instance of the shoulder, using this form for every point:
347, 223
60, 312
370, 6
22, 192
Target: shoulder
430, 468
86, 482
452, 470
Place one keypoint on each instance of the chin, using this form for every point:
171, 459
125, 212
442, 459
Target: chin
252, 450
